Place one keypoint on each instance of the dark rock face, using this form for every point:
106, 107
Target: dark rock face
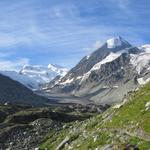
86, 64
116, 69
12, 91
113, 73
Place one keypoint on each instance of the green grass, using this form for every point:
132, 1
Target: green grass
143, 145
133, 112
131, 117
54, 139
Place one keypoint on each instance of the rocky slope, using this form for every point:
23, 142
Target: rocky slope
24, 127
108, 73
123, 126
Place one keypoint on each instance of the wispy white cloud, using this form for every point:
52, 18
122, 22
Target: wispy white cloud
124, 5
63, 10
57, 24
66, 27
7, 64
94, 47
9, 40
13, 65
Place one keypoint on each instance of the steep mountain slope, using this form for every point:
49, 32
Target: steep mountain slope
34, 77
52, 83
111, 45
13, 91
123, 126
108, 73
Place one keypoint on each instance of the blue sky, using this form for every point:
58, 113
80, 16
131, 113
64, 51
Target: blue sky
39, 32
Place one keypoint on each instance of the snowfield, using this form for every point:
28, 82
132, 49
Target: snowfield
142, 60
35, 76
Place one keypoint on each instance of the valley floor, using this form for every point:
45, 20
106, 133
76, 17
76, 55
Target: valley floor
64, 99
124, 126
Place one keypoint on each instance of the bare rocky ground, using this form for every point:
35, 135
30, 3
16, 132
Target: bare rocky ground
23, 127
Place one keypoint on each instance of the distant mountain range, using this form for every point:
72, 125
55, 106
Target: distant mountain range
103, 77
34, 77
106, 75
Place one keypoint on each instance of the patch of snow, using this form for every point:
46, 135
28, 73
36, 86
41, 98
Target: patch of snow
87, 57
79, 77
85, 76
68, 81
106, 87
140, 61
145, 48
115, 86
148, 68
6, 104
111, 57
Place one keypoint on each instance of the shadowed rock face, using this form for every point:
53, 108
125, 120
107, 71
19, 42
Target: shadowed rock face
12, 91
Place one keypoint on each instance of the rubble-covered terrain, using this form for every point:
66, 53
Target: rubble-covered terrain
25, 127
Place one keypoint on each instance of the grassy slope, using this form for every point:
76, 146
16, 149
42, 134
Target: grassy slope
129, 124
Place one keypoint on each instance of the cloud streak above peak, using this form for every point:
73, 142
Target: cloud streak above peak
58, 31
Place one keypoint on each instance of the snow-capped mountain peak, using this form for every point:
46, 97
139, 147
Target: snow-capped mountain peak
35, 76
141, 61
43, 74
50, 69
116, 42
145, 48
56, 68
